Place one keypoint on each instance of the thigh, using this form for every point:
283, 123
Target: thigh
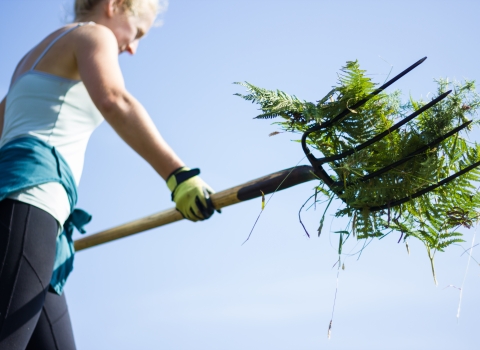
53, 330
27, 252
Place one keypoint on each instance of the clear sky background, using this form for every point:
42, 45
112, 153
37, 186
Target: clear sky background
193, 285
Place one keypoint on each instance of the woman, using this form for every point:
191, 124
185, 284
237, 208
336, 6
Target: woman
60, 92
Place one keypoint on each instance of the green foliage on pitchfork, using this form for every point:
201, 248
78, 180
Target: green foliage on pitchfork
434, 217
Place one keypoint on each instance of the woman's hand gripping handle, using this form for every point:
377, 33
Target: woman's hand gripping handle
191, 194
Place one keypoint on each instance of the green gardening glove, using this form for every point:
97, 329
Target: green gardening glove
191, 194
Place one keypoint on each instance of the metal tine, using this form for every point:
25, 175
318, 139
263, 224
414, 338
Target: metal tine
427, 189
365, 100
408, 157
355, 106
415, 153
386, 132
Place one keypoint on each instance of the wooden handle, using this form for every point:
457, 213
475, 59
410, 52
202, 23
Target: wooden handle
253, 189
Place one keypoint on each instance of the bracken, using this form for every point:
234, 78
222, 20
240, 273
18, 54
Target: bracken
433, 218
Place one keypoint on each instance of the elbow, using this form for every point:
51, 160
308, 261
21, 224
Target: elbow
114, 103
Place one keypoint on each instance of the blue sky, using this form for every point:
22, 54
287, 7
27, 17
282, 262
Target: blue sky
193, 285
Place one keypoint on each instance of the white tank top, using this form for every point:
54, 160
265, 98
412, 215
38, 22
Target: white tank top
58, 111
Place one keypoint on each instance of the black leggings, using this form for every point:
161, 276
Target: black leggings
31, 317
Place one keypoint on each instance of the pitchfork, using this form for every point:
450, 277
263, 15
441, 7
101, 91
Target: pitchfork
290, 177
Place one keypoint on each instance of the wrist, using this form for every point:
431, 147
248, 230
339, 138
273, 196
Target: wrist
180, 175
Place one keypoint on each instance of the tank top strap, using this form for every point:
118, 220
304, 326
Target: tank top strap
55, 40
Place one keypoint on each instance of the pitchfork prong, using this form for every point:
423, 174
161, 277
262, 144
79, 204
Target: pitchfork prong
419, 193
427, 189
384, 133
407, 158
355, 106
416, 152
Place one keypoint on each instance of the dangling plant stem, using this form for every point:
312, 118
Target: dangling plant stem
431, 256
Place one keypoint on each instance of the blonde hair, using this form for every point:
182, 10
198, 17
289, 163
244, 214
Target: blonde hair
83, 8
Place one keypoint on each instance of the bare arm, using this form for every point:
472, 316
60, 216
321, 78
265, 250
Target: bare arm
97, 60
2, 115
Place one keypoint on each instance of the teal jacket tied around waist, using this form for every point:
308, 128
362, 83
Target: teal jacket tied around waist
27, 162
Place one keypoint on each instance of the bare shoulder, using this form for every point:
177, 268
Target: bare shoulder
62, 59
96, 55
94, 35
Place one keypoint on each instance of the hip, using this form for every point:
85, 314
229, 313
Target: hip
50, 197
